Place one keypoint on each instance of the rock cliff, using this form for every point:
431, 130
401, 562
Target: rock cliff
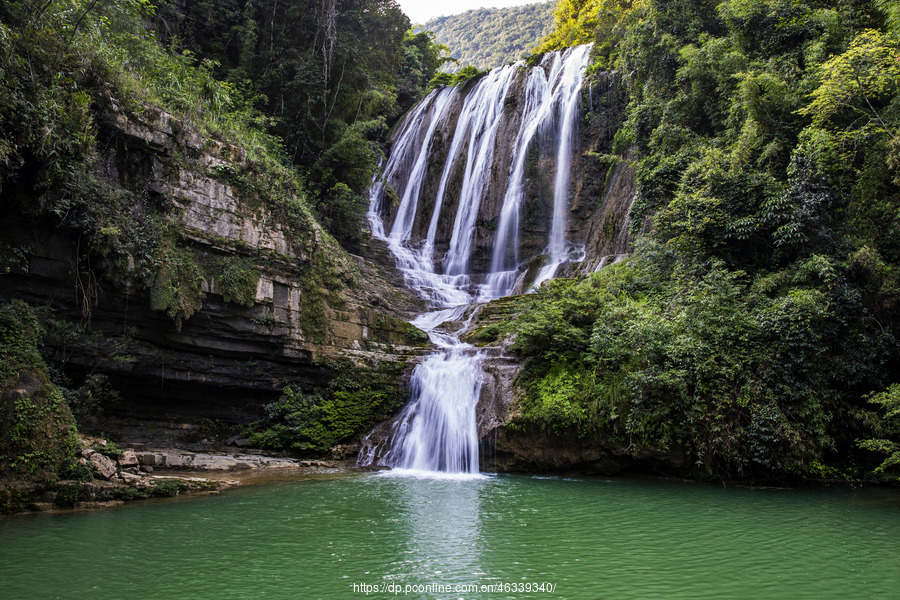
248, 293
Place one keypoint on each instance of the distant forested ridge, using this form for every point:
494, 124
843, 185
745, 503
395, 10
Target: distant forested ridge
491, 37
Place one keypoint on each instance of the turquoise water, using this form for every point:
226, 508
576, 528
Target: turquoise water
580, 538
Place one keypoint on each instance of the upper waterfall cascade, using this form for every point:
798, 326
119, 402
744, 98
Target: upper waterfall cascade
477, 141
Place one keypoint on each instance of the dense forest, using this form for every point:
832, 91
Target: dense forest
490, 37
329, 77
755, 325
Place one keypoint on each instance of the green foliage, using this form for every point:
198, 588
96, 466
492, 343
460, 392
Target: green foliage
614, 17
87, 400
888, 443
554, 398
422, 57
766, 137
60, 76
68, 494
414, 335
770, 27
21, 334
744, 378
171, 487
237, 280
324, 77
321, 285
858, 93
575, 23
41, 112
461, 77
466, 74
342, 177
37, 431
492, 37
866, 72
178, 286
440, 80
316, 422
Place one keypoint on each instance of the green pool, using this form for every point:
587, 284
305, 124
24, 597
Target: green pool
379, 536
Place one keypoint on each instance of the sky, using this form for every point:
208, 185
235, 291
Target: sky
420, 11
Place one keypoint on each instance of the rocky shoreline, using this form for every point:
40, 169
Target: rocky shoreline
111, 476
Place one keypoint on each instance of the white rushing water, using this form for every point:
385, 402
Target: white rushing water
412, 145
486, 109
568, 101
436, 431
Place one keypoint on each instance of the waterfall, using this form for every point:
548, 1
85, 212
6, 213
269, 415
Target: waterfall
551, 94
568, 100
486, 108
403, 222
436, 431
411, 146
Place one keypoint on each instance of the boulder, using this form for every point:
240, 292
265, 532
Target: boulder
104, 466
149, 459
128, 459
176, 460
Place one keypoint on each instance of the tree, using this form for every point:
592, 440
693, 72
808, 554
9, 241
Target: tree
858, 93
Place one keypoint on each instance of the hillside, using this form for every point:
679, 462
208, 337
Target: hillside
183, 233
754, 327
490, 37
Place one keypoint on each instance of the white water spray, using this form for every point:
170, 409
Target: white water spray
412, 141
437, 431
551, 99
486, 108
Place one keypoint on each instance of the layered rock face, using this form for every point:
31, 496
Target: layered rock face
302, 312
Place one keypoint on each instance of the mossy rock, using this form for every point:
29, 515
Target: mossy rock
238, 279
38, 437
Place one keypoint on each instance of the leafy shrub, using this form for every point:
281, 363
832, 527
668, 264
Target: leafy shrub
37, 431
177, 288
308, 422
888, 430
745, 379
87, 400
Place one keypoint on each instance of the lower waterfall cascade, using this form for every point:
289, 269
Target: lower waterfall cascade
537, 111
